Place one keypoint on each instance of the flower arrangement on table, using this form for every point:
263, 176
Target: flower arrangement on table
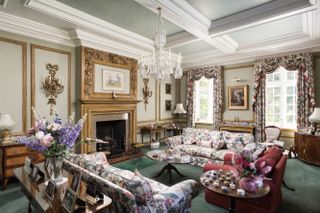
54, 139
253, 171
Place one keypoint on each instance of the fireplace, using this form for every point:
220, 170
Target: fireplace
113, 128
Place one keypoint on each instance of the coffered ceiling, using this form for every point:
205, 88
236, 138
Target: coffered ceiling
204, 31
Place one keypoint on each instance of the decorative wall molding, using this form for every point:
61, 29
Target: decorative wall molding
89, 22
224, 43
26, 27
24, 83
34, 81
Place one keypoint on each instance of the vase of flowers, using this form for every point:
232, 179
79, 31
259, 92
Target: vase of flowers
54, 139
249, 172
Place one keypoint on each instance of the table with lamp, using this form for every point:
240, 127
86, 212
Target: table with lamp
12, 154
177, 130
307, 144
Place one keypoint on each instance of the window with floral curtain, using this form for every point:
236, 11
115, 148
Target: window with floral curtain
302, 63
208, 72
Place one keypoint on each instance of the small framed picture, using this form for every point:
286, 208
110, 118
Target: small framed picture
51, 190
92, 193
34, 173
168, 89
69, 200
168, 105
75, 183
27, 166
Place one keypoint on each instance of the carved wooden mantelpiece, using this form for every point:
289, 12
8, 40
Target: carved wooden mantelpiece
94, 110
91, 57
96, 104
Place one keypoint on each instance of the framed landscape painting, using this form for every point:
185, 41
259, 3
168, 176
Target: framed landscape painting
238, 97
113, 80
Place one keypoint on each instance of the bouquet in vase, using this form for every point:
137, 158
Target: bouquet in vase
53, 139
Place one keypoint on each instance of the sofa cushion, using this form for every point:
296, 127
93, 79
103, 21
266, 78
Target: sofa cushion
189, 136
196, 150
219, 155
141, 188
210, 139
156, 186
236, 141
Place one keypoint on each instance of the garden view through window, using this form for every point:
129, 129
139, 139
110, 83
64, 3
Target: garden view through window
281, 98
204, 100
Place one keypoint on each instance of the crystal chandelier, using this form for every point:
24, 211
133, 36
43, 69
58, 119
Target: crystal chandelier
161, 64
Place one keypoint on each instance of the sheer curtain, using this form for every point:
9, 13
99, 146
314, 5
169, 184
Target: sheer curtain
195, 74
303, 63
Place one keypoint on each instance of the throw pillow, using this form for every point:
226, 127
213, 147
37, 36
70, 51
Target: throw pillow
141, 189
189, 136
267, 162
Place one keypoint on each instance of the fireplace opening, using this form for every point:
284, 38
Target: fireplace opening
113, 132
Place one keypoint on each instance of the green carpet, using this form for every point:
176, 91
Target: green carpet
301, 176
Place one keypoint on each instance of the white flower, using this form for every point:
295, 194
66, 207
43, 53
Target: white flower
54, 127
39, 135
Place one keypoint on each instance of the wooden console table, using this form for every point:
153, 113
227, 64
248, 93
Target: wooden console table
13, 155
231, 128
150, 131
307, 147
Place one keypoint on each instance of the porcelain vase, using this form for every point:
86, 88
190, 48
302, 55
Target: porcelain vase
248, 184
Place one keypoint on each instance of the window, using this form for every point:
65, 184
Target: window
281, 98
204, 100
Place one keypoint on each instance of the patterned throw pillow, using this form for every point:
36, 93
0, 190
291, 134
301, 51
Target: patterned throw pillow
117, 179
216, 140
189, 136
141, 188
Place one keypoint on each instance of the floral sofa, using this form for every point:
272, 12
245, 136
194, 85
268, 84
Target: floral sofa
209, 146
131, 192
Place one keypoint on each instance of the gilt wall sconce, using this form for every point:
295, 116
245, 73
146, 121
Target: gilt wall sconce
52, 86
146, 93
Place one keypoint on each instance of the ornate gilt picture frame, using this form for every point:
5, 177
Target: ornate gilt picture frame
90, 59
238, 97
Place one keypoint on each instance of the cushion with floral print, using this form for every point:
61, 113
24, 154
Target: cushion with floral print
117, 179
141, 188
189, 136
235, 145
216, 140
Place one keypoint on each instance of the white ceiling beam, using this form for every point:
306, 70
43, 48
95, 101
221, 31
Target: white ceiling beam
312, 21
253, 17
181, 13
180, 39
26, 27
265, 13
89, 22
187, 17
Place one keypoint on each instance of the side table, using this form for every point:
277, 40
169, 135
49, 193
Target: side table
232, 193
150, 131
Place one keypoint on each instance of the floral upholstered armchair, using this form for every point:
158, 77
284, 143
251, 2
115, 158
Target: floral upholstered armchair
132, 192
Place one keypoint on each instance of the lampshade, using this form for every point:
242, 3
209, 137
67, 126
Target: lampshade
315, 116
6, 121
179, 109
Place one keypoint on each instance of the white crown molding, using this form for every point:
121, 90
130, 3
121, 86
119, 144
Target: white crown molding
89, 22
26, 27
181, 13
308, 20
3, 3
180, 39
250, 52
82, 38
224, 43
265, 13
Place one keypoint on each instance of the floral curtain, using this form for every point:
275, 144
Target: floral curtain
195, 74
303, 62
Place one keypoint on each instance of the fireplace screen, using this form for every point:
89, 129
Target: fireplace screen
113, 132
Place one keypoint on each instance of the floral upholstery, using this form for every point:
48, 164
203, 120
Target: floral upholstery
132, 192
209, 146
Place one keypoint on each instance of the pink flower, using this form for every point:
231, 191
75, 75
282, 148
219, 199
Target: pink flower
46, 140
39, 135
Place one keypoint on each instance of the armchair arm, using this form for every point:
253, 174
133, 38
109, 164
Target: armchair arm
177, 197
173, 141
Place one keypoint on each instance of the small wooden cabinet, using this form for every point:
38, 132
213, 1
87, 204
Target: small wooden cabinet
13, 155
307, 147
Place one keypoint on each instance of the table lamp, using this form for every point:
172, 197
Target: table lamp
6, 124
179, 110
315, 119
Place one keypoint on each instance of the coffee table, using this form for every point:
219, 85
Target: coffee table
174, 158
232, 193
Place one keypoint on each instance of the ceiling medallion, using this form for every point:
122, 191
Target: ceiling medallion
161, 64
